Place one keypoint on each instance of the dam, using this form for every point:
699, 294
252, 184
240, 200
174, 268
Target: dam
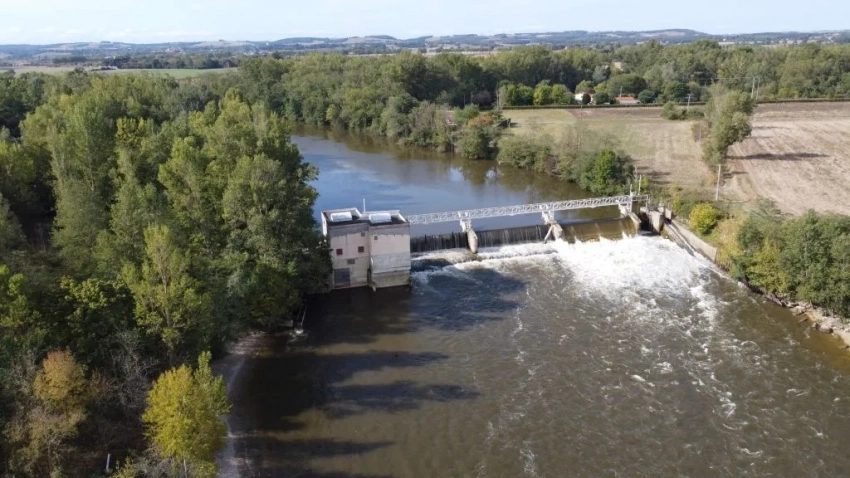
374, 249
628, 357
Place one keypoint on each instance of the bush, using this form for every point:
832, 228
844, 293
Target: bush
671, 112
603, 98
475, 142
703, 218
524, 152
646, 97
604, 173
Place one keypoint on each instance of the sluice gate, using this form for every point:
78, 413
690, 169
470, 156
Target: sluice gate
572, 231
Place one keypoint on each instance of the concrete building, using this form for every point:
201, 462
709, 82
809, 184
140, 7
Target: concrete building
367, 249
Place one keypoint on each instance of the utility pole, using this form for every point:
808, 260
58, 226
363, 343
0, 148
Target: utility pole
688, 108
717, 191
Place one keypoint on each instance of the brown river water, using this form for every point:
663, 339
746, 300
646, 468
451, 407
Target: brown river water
609, 358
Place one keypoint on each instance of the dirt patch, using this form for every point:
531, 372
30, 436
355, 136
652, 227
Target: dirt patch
798, 156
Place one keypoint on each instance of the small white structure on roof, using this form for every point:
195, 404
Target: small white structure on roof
367, 249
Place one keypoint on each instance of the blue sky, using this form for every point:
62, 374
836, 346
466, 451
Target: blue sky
55, 21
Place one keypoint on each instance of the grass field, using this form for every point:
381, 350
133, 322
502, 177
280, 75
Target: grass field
176, 73
798, 154
664, 150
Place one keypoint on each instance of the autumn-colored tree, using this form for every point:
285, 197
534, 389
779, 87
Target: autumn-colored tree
703, 218
60, 394
185, 417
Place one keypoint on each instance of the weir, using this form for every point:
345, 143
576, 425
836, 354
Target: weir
571, 232
374, 249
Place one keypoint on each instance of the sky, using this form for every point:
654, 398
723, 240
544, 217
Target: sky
154, 21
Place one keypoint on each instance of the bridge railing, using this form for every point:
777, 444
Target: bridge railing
499, 211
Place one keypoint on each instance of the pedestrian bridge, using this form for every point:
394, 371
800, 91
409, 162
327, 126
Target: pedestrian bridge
547, 209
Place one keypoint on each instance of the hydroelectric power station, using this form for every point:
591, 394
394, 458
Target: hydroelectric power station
374, 249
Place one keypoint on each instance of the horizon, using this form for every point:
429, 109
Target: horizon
45, 22
402, 38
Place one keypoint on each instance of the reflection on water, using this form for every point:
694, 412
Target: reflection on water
353, 168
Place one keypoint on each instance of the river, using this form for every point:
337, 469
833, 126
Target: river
607, 358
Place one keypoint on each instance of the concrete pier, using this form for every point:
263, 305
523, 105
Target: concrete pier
556, 232
472, 237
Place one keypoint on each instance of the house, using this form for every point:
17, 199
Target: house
367, 249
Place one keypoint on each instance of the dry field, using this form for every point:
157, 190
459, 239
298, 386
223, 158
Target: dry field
798, 154
664, 150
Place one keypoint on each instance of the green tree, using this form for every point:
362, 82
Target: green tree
561, 95
168, 302
602, 98
543, 93
728, 115
475, 141
185, 417
584, 87
646, 97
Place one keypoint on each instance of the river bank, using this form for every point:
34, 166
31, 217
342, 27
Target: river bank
234, 368
819, 318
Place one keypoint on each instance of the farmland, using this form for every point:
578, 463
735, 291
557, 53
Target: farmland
798, 154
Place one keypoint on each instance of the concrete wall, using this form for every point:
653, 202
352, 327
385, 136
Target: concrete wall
390, 248
349, 239
699, 245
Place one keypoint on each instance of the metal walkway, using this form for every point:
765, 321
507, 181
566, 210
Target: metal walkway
470, 214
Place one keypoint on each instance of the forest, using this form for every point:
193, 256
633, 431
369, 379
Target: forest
143, 222
146, 222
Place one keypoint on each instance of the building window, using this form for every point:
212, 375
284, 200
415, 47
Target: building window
362, 234
351, 262
361, 249
376, 238
339, 252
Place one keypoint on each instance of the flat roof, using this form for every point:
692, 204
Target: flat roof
357, 217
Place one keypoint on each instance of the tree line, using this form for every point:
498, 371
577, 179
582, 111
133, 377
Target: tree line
143, 222
793, 259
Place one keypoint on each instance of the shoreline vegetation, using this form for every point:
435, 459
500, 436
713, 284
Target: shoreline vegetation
147, 221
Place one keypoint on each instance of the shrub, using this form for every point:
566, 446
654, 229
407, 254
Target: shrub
671, 112
703, 218
603, 98
475, 142
524, 152
646, 97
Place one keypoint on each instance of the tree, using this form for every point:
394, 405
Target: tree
61, 392
11, 236
185, 417
728, 115
602, 98
703, 218
584, 87
561, 95
586, 98
168, 302
475, 141
543, 93
646, 97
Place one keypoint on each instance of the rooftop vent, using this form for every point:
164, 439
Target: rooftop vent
380, 218
341, 216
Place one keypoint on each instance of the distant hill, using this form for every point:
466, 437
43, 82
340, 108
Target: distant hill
383, 43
